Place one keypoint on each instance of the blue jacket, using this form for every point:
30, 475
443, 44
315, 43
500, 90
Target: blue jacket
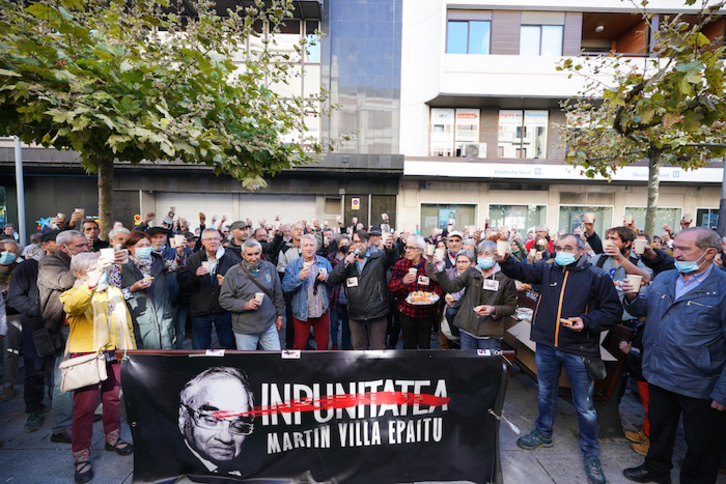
684, 344
299, 287
583, 291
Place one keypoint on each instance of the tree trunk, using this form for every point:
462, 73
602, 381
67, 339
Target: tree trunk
105, 196
654, 162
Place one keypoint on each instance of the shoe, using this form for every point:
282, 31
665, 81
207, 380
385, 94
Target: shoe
97, 417
7, 394
81, 475
533, 440
637, 437
62, 437
120, 447
641, 474
34, 422
641, 448
593, 469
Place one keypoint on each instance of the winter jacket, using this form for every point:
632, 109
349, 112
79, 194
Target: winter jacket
204, 290
684, 348
237, 289
504, 300
581, 291
288, 253
299, 287
150, 308
54, 277
23, 294
369, 298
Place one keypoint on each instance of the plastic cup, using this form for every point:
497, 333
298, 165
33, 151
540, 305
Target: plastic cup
502, 246
306, 265
413, 271
533, 252
639, 246
109, 253
260, 296
636, 280
430, 250
82, 210
206, 264
61, 215
440, 254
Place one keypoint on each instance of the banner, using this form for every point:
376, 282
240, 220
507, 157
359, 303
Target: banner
352, 416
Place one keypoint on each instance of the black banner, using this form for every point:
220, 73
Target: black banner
348, 416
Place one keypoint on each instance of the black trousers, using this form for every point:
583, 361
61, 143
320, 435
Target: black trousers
416, 331
35, 369
704, 428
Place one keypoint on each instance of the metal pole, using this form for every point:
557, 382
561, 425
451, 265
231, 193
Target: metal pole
721, 228
20, 189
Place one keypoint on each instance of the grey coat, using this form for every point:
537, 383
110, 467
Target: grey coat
54, 277
237, 289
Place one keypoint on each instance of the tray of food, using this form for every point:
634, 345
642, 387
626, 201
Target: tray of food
422, 298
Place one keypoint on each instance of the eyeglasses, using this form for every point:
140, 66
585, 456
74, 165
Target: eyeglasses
207, 420
566, 248
408, 247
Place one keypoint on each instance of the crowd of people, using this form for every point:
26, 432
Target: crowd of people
307, 285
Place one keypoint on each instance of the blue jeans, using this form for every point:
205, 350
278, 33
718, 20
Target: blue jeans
340, 315
202, 328
468, 342
62, 404
180, 325
268, 340
550, 362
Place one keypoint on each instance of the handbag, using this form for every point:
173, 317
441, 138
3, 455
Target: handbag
82, 371
595, 367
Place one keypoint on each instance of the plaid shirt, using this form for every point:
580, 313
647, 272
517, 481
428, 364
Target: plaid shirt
401, 290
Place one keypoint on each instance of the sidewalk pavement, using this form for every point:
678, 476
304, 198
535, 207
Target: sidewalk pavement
28, 458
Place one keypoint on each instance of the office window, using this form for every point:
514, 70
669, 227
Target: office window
522, 134
540, 40
438, 215
706, 217
570, 217
670, 216
523, 218
468, 37
312, 47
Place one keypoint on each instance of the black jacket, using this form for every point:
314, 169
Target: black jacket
583, 291
662, 262
369, 299
205, 292
23, 294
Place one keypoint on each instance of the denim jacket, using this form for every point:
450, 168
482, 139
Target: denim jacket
684, 345
299, 288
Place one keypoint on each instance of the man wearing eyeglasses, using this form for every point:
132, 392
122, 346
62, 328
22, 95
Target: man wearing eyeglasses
215, 419
577, 302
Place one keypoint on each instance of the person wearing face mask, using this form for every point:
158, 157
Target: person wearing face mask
160, 246
12, 341
489, 297
684, 359
338, 302
202, 277
143, 285
577, 302
542, 252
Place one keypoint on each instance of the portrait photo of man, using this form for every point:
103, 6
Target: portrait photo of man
214, 418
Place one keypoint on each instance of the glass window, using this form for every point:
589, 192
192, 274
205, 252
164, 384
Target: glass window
571, 218
544, 40
670, 216
707, 217
312, 45
522, 218
523, 134
468, 37
437, 215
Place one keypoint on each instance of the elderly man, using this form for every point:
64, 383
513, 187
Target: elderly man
408, 276
203, 277
117, 237
55, 277
159, 238
212, 441
251, 292
541, 231
288, 253
577, 302
684, 359
305, 278
363, 271
453, 246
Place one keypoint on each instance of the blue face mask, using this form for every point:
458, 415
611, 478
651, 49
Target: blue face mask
683, 266
142, 252
564, 258
160, 250
7, 258
486, 262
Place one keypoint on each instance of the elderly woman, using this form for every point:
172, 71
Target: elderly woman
251, 292
409, 275
99, 321
305, 278
464, 260
144, 288
117, 237
489, 297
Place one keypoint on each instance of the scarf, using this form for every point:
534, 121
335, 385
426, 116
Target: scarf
117, 321
253, 269
144, 265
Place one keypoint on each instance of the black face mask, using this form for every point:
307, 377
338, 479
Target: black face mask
540, 247
343, 249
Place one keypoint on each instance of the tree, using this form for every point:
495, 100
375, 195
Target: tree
134, 80
667, 108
